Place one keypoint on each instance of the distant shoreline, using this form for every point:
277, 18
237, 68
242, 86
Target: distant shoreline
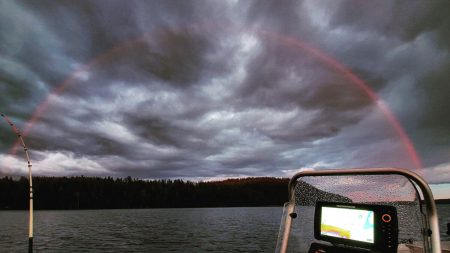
156, 208
442, 201
80, 193
94, 193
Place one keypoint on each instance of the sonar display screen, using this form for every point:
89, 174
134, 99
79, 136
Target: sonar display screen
353, 224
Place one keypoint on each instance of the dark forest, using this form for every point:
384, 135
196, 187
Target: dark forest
109, 193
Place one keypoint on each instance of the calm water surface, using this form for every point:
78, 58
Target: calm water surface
152, 230
145, 230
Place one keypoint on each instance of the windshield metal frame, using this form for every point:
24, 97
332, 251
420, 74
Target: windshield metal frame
433, 246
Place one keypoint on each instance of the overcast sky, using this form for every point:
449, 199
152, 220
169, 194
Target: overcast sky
216, 89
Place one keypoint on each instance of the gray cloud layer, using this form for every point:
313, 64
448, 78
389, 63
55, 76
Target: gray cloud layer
196, 90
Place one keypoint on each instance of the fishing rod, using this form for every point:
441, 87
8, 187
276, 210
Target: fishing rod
27, 157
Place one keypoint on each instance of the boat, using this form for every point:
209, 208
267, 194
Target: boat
379, 210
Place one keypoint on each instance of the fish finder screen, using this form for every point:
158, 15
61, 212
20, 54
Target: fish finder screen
353, 224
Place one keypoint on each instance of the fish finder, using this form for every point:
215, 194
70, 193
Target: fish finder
363, 226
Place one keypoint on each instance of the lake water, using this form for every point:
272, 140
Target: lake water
152, 230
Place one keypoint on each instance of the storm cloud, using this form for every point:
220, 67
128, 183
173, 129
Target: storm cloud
213, 89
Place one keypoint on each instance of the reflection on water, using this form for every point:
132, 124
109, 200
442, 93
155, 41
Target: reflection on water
152, 230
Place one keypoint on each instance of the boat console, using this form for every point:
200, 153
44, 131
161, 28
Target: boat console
377, 210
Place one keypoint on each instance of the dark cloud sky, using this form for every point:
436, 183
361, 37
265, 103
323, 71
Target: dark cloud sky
213, 89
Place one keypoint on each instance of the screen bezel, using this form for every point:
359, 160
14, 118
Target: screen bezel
337, 240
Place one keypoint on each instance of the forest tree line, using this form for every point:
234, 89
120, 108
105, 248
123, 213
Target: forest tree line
109, 193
